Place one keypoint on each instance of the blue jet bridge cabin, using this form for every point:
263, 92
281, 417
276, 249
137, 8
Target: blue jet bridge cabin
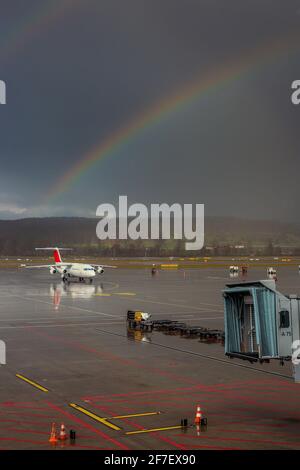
260, 322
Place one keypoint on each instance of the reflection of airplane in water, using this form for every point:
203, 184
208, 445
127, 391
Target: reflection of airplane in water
69, 270
74, 290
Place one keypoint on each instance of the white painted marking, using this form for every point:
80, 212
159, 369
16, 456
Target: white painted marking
67, 306
57, 325
191, 307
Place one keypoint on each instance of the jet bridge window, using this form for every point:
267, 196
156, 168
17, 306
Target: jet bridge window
284, 317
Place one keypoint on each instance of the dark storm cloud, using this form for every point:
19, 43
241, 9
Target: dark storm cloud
75, 77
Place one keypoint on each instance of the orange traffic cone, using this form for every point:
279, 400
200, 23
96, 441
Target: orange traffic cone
53, 438
62, 433
198, 416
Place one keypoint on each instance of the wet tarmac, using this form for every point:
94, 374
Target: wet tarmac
71, 359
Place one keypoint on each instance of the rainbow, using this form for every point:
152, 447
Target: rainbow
219, 76
34, 23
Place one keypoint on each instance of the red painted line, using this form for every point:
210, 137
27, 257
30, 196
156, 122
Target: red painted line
253, 424
175, 377
46, 442
247, 384
261, 400
18, 405
31, 431
19, 413
268, 433
148, 392
210, 395
28, 431
162, 399
241, 415
213, 447
260, 394
172, 400
105, 409
111, 357
238, 439
283, 414
88, 426
238, 384
35, 423
76, 446
173, 443
13, 439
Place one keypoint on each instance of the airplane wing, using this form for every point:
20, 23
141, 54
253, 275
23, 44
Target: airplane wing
41, 266
58, 265
102, 266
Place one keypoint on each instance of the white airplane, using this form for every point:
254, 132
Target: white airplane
71, 270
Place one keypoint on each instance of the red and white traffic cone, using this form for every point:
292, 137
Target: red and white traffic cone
62, 433
53, 438
198, 416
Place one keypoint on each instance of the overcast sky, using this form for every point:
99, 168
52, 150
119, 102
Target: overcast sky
77, 74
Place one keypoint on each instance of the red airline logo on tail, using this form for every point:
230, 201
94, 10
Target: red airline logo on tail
57, 257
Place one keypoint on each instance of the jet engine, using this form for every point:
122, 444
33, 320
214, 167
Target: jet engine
99, 270
53, 270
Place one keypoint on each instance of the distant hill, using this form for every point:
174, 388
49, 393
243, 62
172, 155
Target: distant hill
235, 230
221, 233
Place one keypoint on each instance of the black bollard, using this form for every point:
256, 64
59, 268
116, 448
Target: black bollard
72, 436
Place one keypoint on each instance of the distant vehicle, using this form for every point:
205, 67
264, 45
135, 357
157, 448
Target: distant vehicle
69, 270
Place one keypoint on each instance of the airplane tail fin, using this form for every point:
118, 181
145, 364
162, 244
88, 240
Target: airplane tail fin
56, 252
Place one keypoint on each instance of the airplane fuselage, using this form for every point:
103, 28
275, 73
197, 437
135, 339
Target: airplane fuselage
85, 271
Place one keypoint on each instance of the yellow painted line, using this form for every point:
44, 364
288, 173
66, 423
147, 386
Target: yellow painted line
154, 430
136, 415
34, 384
103, 295
124, 293
94, 416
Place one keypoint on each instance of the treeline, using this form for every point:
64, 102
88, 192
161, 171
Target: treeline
223, 237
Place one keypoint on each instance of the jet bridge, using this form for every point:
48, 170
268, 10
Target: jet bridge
261, 323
